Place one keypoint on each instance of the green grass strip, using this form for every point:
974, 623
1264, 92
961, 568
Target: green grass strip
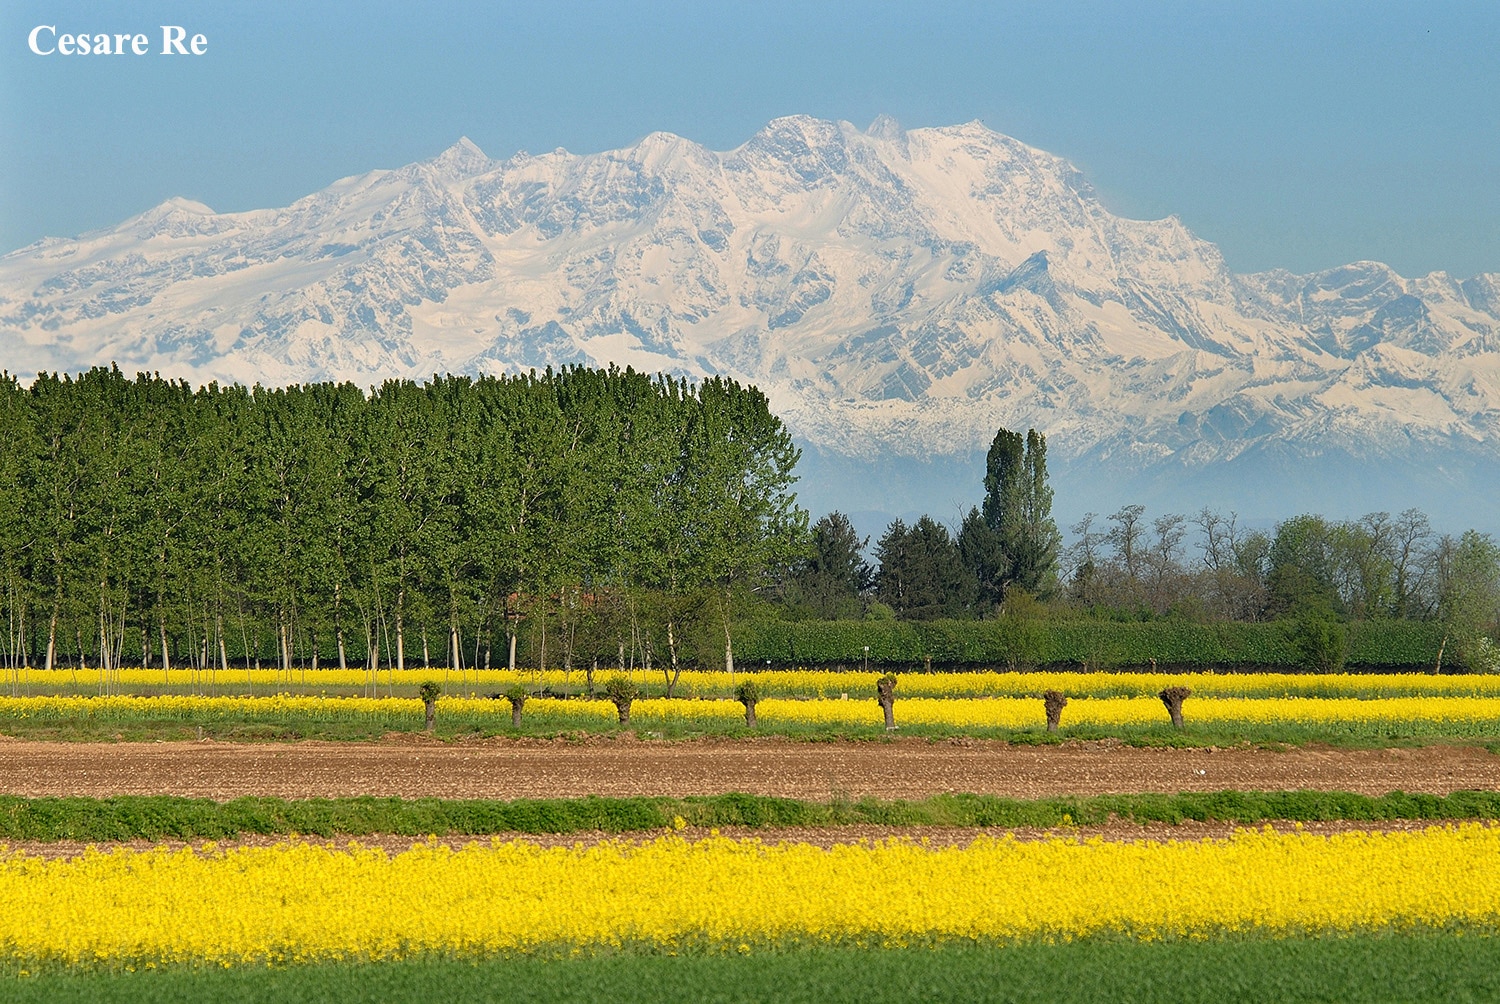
1404, 967
156, 817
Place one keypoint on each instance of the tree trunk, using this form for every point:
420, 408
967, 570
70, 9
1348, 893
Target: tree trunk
885, 693
1437, 667
515, 713
1054, 702
750, 714
104, 645
431, 708
623, 707
400, 630
513, 649
52, 640
671, 677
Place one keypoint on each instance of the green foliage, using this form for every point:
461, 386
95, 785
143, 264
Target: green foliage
1018, 510
982, 552
1320, 641
515, 694
1469, 604
747, 693
621, 689
829, 584
315, 524
1301, 573
922, 575
1018, 641
430, 691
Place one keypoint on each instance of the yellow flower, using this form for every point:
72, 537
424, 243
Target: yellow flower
299, 902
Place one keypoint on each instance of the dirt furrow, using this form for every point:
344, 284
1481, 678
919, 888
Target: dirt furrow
542, 769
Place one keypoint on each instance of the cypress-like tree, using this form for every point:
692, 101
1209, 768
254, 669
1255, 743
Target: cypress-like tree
1018, 508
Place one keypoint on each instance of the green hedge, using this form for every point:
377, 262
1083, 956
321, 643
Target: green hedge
1093, 644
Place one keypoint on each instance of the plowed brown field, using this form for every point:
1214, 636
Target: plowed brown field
541, 769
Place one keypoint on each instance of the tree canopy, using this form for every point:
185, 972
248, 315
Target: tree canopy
145, 519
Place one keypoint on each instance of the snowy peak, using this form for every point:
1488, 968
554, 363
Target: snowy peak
461, 160
895, 291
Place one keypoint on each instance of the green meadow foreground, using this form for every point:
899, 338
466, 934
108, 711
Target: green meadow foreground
1420, 967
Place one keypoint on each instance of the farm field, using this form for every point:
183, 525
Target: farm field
909, 768
1266, 848
715, 895
713, 684
1223, 709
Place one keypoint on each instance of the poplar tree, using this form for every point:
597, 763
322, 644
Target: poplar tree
1018, 509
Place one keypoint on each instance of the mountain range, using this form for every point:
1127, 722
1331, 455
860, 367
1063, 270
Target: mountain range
898, 294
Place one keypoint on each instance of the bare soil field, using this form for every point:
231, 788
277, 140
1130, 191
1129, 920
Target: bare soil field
904, 768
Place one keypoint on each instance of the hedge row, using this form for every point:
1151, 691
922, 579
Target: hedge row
1088, 644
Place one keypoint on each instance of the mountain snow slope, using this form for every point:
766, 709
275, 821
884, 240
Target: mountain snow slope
898, 294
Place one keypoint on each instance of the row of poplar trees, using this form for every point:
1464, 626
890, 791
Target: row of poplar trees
146, 521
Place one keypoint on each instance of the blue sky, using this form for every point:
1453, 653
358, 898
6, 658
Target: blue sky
1302, 135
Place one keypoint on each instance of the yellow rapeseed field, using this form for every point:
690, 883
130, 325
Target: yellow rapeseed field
998, 712
778, 683
302, 902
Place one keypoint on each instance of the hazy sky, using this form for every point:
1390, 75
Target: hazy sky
1302, 135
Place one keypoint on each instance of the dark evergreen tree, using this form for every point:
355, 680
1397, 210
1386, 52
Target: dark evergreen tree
831, 581
921, 574
983, 554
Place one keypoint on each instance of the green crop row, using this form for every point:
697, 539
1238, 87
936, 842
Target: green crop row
156, 817
1417, 965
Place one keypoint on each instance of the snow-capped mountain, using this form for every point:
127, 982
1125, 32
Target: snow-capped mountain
898, 294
